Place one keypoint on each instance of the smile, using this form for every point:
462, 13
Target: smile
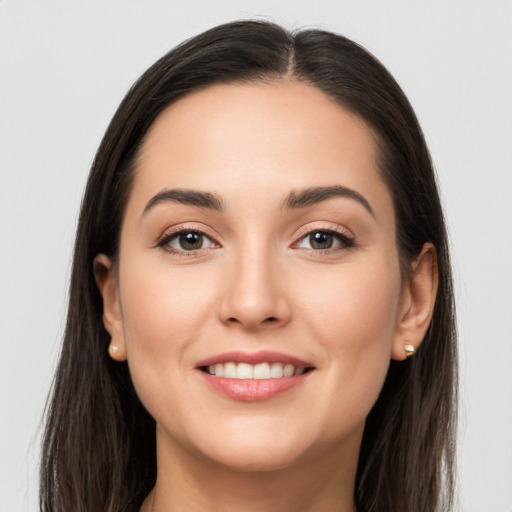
254, 376
242, 371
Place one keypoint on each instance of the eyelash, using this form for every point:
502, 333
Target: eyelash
167, 237
346, 242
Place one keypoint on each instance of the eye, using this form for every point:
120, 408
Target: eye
186, 241
324, 240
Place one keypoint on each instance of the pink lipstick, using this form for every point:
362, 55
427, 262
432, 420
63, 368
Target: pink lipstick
252, 376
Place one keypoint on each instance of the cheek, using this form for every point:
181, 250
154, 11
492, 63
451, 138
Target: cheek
354, 323
162, 310
163, 314
353, 308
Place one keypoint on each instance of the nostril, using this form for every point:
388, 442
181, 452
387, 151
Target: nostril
269, 320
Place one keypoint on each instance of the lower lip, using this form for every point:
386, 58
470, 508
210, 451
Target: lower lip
251, 390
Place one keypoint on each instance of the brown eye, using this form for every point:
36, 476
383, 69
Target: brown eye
186, 241
325, 241
190, 241
321, 240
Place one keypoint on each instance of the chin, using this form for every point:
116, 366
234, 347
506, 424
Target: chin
257, 460
249, 448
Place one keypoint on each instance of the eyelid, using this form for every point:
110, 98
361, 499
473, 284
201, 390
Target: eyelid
174, 231
312, 227
346, 237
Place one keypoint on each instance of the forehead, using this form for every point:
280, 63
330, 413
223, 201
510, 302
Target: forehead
269, 137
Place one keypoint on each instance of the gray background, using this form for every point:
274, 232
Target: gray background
64, 67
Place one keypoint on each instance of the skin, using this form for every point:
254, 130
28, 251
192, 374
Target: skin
257, 284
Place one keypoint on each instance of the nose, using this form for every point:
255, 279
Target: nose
254, 296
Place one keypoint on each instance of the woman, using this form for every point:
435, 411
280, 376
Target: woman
261, 313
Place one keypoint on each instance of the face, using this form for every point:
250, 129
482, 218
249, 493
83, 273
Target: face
258, 287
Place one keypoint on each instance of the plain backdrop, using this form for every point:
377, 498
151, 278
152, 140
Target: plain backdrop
65, 66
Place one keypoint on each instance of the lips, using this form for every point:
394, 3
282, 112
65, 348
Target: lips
254, 376
262, 356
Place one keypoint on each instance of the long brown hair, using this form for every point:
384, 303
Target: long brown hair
99, 445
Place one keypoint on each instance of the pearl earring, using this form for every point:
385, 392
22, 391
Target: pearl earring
113, 351
409, 350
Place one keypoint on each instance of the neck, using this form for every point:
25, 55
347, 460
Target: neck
187, 481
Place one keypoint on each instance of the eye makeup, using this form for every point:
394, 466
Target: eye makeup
191, 241
186, 240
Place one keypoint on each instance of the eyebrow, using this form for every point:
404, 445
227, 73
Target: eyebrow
295, 200
188, 197
315, 195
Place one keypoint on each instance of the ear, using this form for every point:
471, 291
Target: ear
417, 303
106, 279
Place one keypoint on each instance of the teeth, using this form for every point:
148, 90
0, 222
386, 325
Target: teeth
261, 371
230, 371
288, 370
276, 370
245, 371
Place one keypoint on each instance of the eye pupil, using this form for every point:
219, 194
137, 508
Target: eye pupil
321, 240
190, 241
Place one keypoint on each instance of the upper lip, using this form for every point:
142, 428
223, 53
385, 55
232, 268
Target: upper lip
262, 356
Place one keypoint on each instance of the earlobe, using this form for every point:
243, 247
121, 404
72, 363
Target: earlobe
104, 274
115, 352
417, 305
